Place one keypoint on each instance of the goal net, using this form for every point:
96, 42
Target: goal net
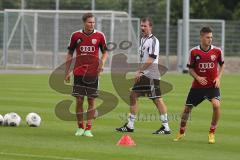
39, 38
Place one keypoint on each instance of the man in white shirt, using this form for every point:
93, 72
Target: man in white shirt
147, 80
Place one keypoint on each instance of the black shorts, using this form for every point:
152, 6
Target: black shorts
197, 95
147, 87
85, 86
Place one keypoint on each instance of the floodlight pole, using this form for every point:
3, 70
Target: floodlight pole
167, 32
35, 32
130, 8
22, 32
185, 36
129, 20
93, 5
56, 32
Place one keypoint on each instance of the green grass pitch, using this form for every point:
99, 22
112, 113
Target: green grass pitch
55, 139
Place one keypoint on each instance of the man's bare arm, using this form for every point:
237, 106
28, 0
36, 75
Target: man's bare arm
68, 62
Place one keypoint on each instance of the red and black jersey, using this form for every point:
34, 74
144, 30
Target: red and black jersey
87, 51
205, 64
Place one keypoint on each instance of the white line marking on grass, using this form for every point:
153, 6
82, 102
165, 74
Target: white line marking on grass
38, 156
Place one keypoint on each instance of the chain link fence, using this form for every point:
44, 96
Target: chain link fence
156, 9
39, 38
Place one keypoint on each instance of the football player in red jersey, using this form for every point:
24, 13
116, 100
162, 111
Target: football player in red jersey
206, 66
86, 43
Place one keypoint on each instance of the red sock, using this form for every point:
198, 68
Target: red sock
212, 128
182, 127
89, 127
81, 125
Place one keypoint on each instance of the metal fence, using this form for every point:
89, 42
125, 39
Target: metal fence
39, 38
157, 12
232, 38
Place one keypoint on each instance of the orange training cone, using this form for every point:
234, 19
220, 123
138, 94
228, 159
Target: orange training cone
126, 140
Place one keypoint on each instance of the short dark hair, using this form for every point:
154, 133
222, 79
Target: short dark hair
147, 19
86, 16
206, 29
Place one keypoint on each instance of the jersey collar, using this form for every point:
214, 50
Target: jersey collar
147, 37
86, 33
204, 50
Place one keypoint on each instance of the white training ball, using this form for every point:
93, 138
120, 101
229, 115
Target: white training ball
33, 120
5, 119
14, 119
1, 120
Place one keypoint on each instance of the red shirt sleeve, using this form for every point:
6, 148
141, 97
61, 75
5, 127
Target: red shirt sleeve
102, 44
220, 57
191, 61
74, 41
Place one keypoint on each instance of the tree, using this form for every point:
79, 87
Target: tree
236, 13
7, 4
213, 9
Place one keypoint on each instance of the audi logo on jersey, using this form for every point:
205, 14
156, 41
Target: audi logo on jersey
204, 66
87, 48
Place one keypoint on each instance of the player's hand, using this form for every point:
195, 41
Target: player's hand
202, 80
100, 70
217, 82
67, 77
137, 76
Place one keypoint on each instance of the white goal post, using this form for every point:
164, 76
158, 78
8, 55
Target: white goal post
39, 38
195, 26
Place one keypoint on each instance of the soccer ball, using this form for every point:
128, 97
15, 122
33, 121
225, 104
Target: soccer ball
1, 120
5, 119
13, 120
33, 120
